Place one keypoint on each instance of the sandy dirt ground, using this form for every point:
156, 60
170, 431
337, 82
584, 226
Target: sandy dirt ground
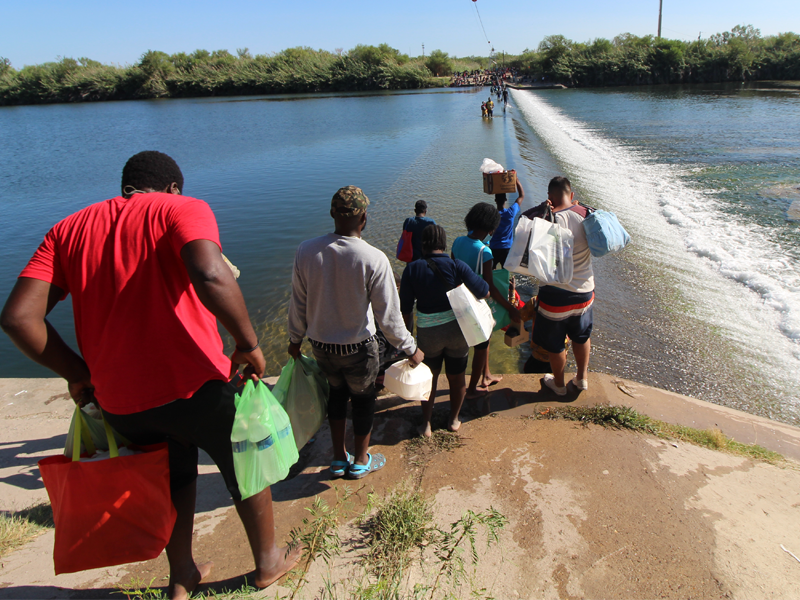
592, 512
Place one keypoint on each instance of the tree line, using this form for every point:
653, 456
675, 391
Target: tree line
738, 55
218, 73
741, 54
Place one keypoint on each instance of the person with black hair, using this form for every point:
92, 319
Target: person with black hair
566, 309
439, 335
148, 284
481, 221
416, 225
342, 289
503, 236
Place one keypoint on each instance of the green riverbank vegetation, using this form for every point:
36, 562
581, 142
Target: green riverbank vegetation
741, 54
218, 73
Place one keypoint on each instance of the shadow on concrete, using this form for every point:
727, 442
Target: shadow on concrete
18, 455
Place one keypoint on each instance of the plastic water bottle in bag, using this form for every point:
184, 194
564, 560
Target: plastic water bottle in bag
285, 437
258, 459
239, 435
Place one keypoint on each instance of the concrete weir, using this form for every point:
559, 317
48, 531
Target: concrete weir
592, 512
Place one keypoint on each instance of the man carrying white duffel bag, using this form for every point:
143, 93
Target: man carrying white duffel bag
565, 309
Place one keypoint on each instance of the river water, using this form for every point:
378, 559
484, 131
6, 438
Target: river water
705, 302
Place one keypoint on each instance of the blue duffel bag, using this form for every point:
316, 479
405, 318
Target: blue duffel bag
604, 233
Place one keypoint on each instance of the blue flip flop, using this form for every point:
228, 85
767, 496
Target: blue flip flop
375, 462
339, 468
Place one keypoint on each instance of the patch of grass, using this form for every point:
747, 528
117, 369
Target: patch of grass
18, 528
618, 417
138, 590
401, 522
441, 441
398, 523
420, 449
624, 417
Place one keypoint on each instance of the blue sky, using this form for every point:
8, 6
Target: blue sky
36, 31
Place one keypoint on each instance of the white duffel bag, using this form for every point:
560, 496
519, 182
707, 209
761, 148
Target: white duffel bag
543, 250
410, 383
474, 316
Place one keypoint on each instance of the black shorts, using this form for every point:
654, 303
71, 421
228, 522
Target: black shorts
203, 421
500, 257
550, 334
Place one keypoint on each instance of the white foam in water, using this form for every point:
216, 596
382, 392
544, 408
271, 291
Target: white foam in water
737, 275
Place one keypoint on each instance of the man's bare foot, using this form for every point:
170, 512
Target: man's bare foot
284, 562
491, 379
425, 430
455, 424
180, 587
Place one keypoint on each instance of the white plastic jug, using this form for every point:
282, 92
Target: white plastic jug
410, 383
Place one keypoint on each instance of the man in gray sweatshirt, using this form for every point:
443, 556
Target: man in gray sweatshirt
340, 287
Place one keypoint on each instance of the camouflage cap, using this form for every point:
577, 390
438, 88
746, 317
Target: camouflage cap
350, 201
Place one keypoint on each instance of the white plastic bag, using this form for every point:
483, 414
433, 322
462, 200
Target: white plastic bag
489, 166
474, 316
410, 383
542, 249
520, 246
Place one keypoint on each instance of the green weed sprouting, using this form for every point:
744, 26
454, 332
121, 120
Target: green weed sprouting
394, 527
449, 545
624, 417
399, 523
18, 528
318, 535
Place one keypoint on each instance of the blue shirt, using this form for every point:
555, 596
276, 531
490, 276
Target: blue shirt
421, 283
466, 249
503, 236
415, 225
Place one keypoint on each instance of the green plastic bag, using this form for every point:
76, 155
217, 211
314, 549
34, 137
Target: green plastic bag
261, 439
93, 435
302, 390
500, 314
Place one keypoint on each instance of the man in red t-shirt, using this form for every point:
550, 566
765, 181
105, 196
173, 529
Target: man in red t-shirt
148, 284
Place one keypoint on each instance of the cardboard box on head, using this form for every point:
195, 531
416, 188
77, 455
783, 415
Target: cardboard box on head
500, 183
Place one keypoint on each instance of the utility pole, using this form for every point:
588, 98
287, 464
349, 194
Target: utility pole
660, 5
423, 45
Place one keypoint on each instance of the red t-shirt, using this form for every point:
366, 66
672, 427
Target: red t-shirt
147, 338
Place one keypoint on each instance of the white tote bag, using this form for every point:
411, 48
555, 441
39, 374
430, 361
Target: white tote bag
545, 252
474, 316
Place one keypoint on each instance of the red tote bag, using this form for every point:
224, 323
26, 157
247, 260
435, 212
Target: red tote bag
109, 512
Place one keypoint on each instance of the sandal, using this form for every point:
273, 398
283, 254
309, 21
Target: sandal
375, 462
339, 468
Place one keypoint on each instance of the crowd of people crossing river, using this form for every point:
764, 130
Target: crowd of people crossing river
149, 285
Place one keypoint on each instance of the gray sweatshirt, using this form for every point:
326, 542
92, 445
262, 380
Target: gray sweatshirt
337, 284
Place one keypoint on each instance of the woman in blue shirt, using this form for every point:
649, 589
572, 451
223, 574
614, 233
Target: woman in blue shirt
426, 282
481, 221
